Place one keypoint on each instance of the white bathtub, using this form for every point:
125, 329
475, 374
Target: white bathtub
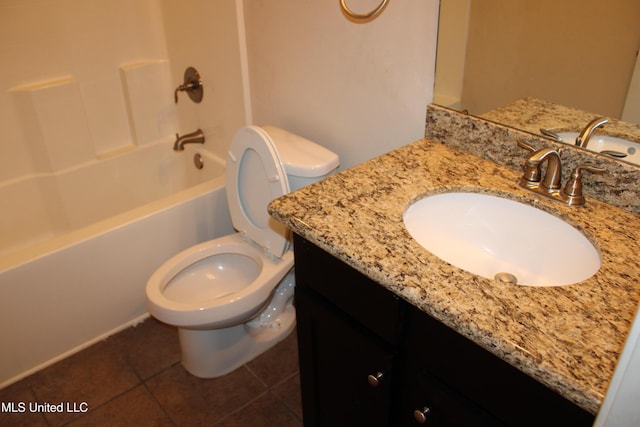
77, 247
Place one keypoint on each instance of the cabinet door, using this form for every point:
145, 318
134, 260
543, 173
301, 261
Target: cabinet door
429, 402
336, 359
484, 385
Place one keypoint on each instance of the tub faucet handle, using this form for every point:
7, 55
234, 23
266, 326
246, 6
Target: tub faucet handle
192, 85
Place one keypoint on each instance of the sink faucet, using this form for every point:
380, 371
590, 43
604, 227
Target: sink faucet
189, 138
583, 138
553, 174
550, 185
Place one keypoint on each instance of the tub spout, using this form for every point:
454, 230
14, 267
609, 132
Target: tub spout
189, 138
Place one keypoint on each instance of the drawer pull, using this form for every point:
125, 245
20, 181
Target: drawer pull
374, 379
421, 415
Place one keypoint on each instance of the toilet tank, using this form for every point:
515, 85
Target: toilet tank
304, 161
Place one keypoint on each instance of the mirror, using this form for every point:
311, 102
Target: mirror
577, 53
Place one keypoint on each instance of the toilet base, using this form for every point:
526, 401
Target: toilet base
212, 353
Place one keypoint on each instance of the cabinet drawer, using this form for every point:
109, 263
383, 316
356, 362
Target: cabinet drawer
368, 303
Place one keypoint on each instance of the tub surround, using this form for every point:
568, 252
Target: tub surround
568, 338
43, 210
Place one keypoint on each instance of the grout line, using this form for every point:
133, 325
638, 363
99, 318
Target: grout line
106, 402
120, 351
285, 379
243, 407
252, 372
160, 405
282, 400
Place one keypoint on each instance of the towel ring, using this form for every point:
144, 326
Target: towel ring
361, 18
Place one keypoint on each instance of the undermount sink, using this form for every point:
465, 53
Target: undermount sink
609, 145
501, 239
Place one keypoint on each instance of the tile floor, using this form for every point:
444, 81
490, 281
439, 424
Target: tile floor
134, 378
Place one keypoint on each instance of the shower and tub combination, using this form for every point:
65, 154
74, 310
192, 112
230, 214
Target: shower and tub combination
93, 198
79, 240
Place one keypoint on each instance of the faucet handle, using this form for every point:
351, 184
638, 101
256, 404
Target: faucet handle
532, 174
526, 146
573, 188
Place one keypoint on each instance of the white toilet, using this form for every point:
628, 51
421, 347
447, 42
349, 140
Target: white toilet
232, 297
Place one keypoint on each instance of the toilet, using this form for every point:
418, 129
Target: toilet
231, 298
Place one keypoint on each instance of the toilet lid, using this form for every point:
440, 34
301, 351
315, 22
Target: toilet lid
255, 177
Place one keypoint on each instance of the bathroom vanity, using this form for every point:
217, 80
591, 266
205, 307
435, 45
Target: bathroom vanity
389, 333
369, 358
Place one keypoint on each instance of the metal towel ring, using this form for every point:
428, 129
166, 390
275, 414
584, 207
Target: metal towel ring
366, 17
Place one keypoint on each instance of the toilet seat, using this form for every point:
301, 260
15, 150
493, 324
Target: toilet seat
255, 176
221, 309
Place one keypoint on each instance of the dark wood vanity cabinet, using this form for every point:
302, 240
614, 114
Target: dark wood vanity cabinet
345, 334
339, 358
368, 358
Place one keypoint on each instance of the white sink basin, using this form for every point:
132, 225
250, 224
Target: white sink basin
501, 239
604, 143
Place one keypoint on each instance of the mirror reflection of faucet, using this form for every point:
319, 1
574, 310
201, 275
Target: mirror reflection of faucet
583, 139
189, 138
585, 134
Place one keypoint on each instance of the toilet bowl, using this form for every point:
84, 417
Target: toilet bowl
215, 284
231, 298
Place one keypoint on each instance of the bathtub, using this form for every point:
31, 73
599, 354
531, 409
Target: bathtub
77, 247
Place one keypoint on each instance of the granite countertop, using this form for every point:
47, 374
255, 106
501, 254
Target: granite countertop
531, 114
568, 338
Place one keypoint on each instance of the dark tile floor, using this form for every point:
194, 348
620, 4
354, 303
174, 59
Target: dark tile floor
135, 378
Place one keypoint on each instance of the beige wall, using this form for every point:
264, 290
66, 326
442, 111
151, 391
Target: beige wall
359, 89
204, 34
579, 53
453, 25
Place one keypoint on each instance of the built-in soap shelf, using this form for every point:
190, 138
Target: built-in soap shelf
68, 122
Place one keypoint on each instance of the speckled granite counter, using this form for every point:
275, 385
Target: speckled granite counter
618, 186
531, 114
569, 338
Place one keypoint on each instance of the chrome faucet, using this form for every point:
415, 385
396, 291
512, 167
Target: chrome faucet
550, 185
189, 138
583, 138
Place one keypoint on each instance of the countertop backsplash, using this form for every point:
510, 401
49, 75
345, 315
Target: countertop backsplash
494, 137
